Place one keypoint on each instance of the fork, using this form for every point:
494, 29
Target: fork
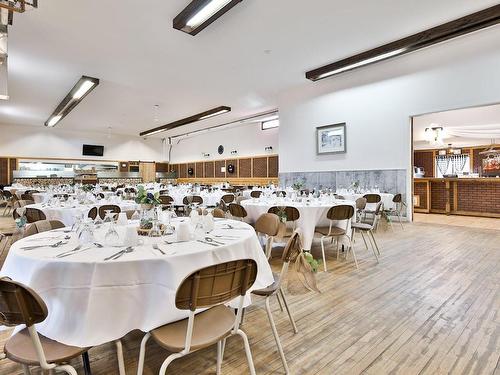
155, 246
57, 244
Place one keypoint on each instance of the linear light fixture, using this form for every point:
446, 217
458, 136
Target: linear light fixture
188, 120
461, 26
82, 88
201, 13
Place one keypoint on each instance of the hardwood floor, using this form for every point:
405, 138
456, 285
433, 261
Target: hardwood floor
431, 306
461, 221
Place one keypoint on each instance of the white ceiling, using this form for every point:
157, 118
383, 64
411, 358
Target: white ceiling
142, 61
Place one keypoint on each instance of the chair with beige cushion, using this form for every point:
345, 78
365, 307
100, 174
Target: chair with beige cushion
109, 207
9, 199
268, 224
292, 249
237, 211
210, 288
335, 213
19, 204
228, 198
42, 226
21, 305
368, 228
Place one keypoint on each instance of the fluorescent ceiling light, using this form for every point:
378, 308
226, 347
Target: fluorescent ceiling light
362, 63
79, 91
201, 13
270, 124
214, 114
54, 120
84, 88
206, 12
188, 120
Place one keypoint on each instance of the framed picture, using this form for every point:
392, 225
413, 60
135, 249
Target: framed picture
331, 139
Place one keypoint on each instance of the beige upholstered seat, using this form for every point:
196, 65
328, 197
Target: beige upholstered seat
255, 194
217, 212
334, 231
34, 214
109, 207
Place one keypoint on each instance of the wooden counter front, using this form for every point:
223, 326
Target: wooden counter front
457, 196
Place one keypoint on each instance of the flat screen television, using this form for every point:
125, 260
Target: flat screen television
93, 150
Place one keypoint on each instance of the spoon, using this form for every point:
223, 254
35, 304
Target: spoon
208, 239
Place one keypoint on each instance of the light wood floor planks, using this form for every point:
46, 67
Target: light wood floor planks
431, 306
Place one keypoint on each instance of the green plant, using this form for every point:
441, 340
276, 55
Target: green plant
298, 185
144, 197
87, 187
314, 263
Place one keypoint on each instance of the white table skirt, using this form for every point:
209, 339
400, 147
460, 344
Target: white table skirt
92, 301
67, 214
385, 197
209, 198
311, 216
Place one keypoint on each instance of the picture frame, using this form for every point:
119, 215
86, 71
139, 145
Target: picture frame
331, 139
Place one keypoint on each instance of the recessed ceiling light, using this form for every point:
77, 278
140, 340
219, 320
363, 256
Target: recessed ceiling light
188, 120
79, 91
201, 13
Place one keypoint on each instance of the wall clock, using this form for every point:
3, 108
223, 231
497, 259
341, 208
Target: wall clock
220, 149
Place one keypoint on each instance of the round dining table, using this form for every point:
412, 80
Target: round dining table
386, 199
93, 299
312, 213
67, 212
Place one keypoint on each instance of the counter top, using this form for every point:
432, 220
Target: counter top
479, 179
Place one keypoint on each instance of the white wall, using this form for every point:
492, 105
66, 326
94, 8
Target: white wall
42, 142
377, 101
247, 139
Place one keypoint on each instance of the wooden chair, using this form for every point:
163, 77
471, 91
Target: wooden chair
397, 210
237, 211
217, 212
166, 201
210, 288
19, 204
228, 198
109, 207
255, 194
360, 207
27, 196
371, 199
42, 226
292, 249
369, 229
9, 198
292, 214
34, 214
341, 212
92, 213
269, 225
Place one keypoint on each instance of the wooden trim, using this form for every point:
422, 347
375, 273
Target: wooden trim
449, 30
227, 158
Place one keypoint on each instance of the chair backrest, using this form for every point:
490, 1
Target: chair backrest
26, 197
228, 198
292, 248
42, 226
360, 203
92, 213
7, 194
20, 304
163, 192
166, 199
216, 284
108, 207
34, 214
217, 212
268, 223
372, 198
195, 199
237, 210
397, 198
339, 197
99, 195
282, 192
256, 194
292, 213
340, 212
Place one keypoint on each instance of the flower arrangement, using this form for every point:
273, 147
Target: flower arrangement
299, 185
87, 187
144, 197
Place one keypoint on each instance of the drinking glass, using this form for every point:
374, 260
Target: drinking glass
111, 238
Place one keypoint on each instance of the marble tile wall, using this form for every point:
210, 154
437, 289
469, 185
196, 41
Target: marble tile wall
387, 180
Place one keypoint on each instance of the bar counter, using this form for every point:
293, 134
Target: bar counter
457, 196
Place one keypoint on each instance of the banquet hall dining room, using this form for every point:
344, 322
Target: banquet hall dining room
249, 187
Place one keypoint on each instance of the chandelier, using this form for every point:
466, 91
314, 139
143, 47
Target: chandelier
9, 7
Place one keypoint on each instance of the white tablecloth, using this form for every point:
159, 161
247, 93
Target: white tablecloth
386, 199
311, 215
209, 198
92, 301
45, 196
67, 214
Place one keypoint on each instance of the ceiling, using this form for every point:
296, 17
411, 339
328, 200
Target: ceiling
255, 51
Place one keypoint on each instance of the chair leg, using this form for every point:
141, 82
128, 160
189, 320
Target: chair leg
219, 357
374, 241
168, 361
294, 326
373, 248
26, 370
142, 353
119, 354
323, 252
400, 221
247, 351
276, 336
279, 302
364, 239
86, 363
67, 369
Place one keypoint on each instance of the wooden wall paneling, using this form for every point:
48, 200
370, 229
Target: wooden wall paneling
123, 166
183, 170
209, 169
259, 167
4, 171
218, 165
193, 167
175, 168
12, 168
424, 159
273, 166
162, 167
200, 170
147, 171
245, 167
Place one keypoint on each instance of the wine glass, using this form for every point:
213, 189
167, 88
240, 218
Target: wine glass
109, 216
111, 237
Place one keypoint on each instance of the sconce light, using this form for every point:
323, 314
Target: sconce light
205, 154
234, 152
269, 149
